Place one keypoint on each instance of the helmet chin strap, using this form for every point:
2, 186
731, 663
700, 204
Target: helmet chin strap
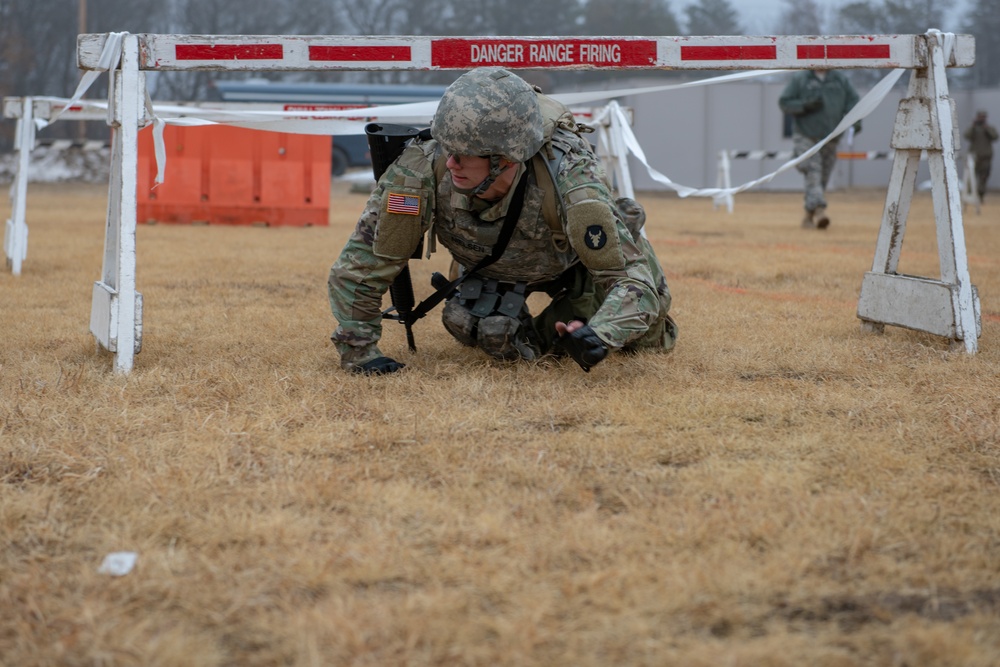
495, 171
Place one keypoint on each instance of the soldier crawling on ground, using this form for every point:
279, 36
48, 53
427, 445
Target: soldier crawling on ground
517, 196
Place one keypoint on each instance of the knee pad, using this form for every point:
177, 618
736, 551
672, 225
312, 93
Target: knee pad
505, 338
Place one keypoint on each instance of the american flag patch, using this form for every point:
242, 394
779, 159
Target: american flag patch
405, 204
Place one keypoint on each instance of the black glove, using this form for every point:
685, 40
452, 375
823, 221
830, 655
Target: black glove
379, 366
585, 347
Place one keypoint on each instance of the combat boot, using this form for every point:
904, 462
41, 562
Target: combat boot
807, 220
820, 217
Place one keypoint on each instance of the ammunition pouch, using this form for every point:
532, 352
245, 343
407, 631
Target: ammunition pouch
493, 316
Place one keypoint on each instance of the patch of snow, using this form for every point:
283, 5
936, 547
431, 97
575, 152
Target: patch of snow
51, 165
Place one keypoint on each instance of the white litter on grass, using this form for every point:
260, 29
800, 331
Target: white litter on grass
118, 563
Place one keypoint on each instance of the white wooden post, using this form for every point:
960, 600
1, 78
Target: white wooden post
948, 307
611, 147
723, 180
116, 308
15, 234
619, 155
970, 194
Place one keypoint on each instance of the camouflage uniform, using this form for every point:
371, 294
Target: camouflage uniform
596, 268
817, 106
981, 136
816, 171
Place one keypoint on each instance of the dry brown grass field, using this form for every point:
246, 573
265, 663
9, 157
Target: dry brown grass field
781, 490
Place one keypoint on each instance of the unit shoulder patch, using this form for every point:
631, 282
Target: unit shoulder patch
595, 237
593, 232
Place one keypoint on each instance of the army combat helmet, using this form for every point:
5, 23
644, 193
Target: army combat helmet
489, 112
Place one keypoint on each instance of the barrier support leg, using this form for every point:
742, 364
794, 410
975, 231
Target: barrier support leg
723, 181
116, 308
611, 150
948, 307
970, 195
15, 235
619, 156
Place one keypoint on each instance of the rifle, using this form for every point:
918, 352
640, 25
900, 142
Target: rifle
386, 142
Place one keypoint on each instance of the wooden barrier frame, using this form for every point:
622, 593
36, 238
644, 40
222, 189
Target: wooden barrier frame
15, 236
25, 110
925, 122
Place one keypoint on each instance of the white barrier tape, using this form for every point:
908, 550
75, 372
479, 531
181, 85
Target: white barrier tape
594, 95
865, 106
110, 56
947, 40
414, 112
324, 121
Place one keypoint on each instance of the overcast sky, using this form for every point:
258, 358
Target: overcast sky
761, 16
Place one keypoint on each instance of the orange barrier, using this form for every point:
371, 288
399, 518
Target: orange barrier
229, 175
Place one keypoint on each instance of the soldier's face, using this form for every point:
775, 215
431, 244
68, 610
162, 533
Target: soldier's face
468, 171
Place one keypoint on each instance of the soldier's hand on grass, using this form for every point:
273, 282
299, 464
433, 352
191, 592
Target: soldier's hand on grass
581, 343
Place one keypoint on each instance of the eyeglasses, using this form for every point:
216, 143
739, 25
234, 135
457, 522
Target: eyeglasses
458, 158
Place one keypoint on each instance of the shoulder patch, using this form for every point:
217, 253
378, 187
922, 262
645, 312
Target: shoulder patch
593, 232
400, 222
400, 202
595, 238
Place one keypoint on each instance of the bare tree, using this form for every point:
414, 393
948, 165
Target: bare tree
801, 17
913, 17
250, 17
713, 17
629, 17
983, 22
37, 48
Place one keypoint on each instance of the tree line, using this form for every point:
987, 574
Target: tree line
38, 37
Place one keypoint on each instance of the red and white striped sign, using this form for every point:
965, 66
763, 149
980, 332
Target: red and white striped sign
274, 53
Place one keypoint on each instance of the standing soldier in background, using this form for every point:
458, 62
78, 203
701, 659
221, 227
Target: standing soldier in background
981, 136
517, 196
817, 100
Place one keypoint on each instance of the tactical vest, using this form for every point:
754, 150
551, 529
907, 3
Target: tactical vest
539, 250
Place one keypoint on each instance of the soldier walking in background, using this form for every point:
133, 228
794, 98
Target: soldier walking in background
981, 136
817, 101
519, 199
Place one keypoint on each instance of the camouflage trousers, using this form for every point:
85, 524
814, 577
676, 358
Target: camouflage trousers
816, 170
983, 165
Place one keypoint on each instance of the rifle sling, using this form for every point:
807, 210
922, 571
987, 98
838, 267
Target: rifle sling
506, 232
